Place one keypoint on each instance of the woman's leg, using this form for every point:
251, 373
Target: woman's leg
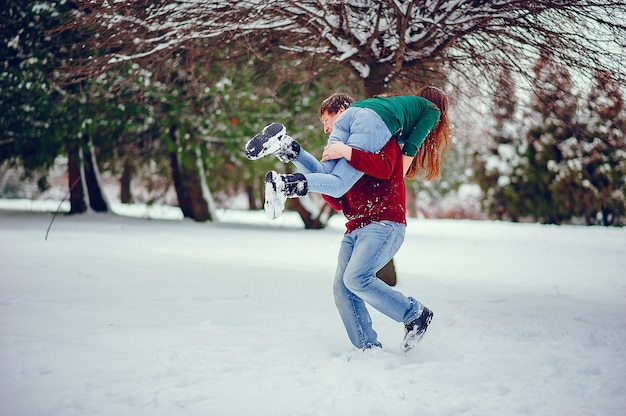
360, 128
307, 163
333, 178
335, 183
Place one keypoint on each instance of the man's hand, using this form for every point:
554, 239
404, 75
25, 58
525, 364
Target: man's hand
337, 150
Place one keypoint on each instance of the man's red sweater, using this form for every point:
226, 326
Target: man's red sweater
379, 194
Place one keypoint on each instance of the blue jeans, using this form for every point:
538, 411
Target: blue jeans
360, 128
362, 253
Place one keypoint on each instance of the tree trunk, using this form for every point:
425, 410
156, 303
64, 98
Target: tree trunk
78, 202
310, 222
193, 187
377, 81
126, 196
376, 84
206, 201
388, 273
187, 183
83, 176
608, 216
252, 205
184, 202
97, 199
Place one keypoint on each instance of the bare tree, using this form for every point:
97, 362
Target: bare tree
381, 41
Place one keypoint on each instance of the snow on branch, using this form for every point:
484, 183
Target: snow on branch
396, 36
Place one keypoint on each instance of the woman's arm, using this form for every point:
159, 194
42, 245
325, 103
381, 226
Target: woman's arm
406, 163
426, 121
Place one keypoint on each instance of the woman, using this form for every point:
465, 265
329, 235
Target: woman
419, 122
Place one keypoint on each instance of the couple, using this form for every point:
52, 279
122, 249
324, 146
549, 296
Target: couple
362, 174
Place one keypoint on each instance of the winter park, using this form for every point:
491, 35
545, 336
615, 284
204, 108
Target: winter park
197, 200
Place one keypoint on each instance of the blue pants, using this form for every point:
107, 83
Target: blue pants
362, 253
360, 128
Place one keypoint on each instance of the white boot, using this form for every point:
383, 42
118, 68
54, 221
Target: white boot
273, 139
279, 187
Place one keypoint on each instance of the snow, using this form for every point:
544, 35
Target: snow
120, 315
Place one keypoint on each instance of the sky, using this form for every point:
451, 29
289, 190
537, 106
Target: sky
129, 315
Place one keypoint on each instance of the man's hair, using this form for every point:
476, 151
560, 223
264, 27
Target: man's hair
334, 103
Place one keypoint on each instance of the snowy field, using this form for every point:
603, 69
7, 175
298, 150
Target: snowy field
120, 316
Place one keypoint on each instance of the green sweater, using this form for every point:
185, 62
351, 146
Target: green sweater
409, 118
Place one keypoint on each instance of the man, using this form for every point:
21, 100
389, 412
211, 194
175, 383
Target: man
375, 207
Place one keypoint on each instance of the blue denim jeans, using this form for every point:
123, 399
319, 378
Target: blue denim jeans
362, 253
360, 128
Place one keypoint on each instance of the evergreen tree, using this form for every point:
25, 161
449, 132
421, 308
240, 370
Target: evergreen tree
29, 110
494, 161
590, 179
40, 115
605, 161
570, 163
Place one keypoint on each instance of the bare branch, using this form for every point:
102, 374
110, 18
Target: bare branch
378, 39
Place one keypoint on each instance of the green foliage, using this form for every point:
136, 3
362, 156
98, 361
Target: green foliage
30, 118
248, 96
39, 113
214, 104
571, 162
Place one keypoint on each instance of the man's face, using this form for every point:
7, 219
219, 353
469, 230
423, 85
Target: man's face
328, 120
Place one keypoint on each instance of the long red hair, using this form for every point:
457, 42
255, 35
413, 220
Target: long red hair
431, 153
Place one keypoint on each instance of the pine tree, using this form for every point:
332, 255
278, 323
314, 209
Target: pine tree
571, 162
603, 153
554, 106
494, 161
27, 52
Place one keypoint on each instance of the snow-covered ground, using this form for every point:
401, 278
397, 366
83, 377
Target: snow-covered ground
121, 316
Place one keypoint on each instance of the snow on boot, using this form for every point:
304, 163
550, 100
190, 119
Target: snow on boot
273, 139
289, 149
266, 142
416, 329
279, 187
274, 196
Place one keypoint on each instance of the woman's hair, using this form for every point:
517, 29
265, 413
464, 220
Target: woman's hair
334, 103
430, 155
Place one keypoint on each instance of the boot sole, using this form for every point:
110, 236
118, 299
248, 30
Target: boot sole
266, 142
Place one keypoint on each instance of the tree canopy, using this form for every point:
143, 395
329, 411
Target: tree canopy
380, 40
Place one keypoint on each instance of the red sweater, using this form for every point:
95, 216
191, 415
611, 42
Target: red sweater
379, 194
